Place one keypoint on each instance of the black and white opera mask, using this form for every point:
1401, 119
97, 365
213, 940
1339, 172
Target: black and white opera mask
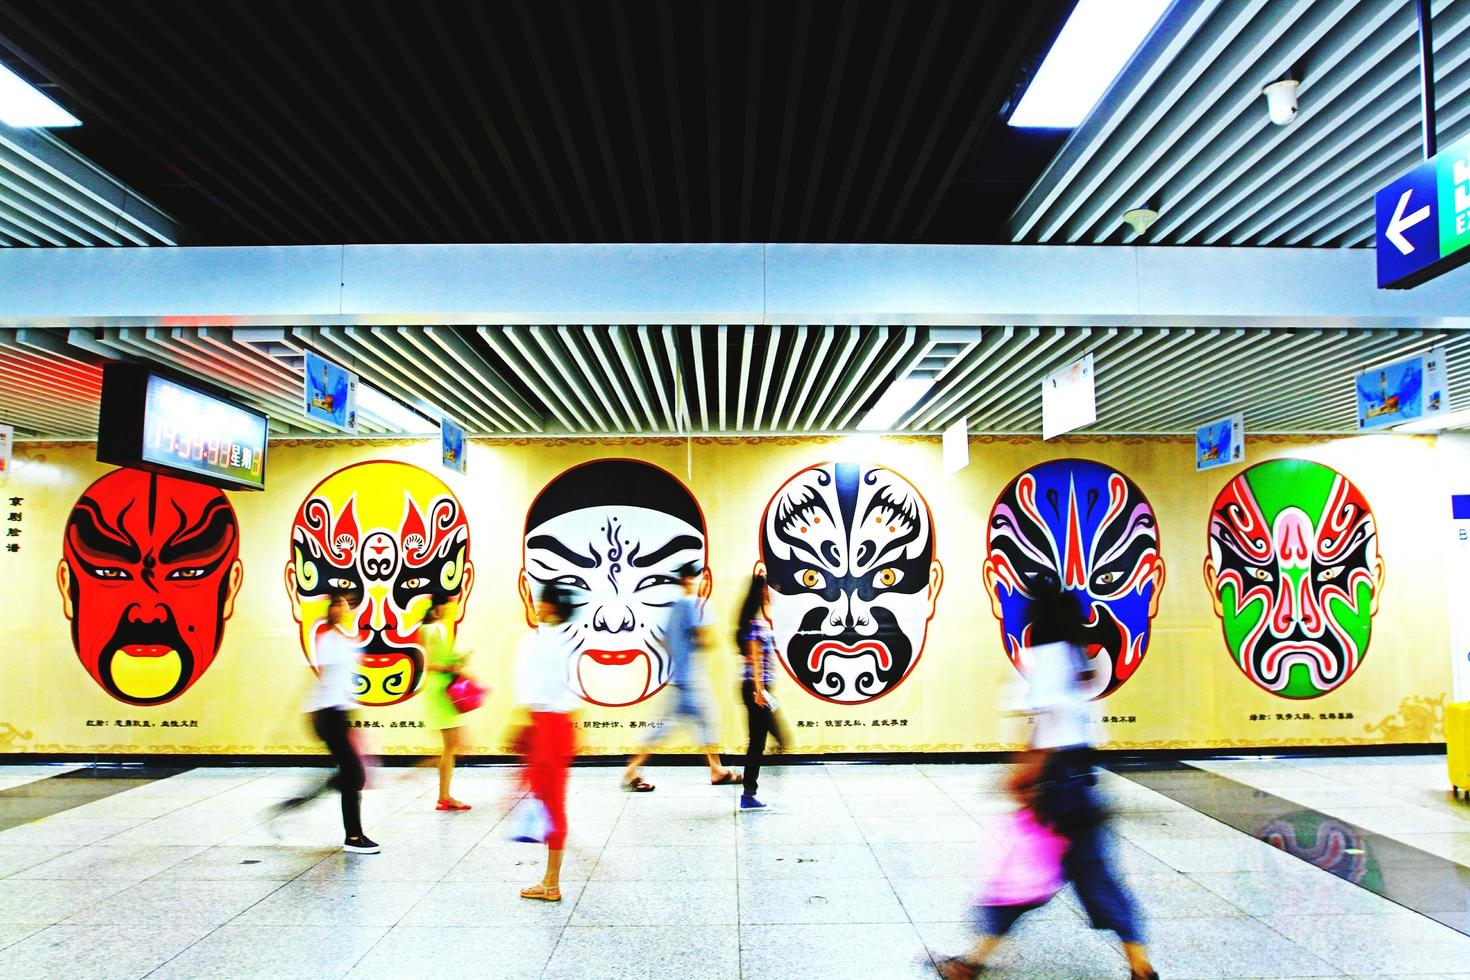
614, 533
848, 551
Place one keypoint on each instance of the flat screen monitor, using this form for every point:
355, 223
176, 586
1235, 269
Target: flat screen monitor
155, 422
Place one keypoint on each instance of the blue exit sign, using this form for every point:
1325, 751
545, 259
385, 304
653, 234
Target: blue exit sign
1423, 220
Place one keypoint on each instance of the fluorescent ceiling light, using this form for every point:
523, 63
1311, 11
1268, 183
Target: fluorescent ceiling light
395, 413
895, 403
1435, 423
1095, 44
22, 105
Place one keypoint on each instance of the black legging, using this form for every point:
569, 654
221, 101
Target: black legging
331, 726
760, 722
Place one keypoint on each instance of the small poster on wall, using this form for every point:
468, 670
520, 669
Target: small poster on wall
452, 447
1406, 390
331, 393
1068, 398
7, 446
1220, 443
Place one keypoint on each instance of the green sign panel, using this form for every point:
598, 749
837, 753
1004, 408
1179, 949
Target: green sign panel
1452, 179
1423, 219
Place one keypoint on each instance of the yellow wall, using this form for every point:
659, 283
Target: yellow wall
1188, 692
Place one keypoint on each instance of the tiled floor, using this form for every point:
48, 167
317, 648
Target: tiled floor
861, 871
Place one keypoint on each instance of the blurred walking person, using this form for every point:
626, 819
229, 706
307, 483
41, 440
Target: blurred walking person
1055, 780
329, 704
685, 637
758, 674
445, 664
550, 740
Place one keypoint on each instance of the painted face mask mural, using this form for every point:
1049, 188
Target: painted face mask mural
615, 533
149, 572
848, 552
396, 534
1295, 572
1088, 529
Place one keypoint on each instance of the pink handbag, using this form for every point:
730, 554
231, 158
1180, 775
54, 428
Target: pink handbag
465, 693
1029, 870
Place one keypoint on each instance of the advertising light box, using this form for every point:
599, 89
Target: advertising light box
154, 422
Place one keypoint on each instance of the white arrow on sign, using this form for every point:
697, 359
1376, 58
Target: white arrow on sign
1399, 224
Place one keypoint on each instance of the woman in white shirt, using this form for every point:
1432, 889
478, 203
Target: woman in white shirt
541, 686
1057, 773
329, 703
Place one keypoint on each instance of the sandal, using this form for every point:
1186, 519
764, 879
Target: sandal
958, 968
541, 893
452, 804
730, 778
637, 785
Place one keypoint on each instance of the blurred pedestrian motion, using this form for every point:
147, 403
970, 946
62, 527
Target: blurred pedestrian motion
1059, 832
758, 648
549, 741
329, 703
446, 668
685, 637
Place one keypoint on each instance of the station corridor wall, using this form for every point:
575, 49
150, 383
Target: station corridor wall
1297, 600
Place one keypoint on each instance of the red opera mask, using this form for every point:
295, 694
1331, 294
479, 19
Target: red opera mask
149, 572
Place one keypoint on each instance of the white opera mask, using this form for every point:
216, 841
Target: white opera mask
614, 534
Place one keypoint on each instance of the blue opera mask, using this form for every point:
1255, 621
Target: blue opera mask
1088, 529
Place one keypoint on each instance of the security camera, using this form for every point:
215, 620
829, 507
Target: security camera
1281, 100
1140, 219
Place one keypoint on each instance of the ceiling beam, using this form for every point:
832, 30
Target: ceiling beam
933, 285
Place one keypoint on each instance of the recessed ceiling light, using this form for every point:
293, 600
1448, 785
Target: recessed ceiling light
373, 402
895, 403
1095, 44
22, 105
1435, 423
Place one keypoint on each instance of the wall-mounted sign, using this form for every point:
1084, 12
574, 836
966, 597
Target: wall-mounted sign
331, 393
1220, 443
1423, 220
1068, 398
451, 445
7, 447
153, 422
1411, 389
1457, 579
957, 446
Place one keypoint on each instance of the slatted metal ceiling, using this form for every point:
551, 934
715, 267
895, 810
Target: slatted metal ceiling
662, 378
51, 196
1184, 129
281, 122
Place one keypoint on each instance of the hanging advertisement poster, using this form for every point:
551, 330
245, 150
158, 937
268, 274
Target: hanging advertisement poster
331, 393
7, 444
1403, 391
451, 445
1457, 578
1068, 398
956, 447
1220, 443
